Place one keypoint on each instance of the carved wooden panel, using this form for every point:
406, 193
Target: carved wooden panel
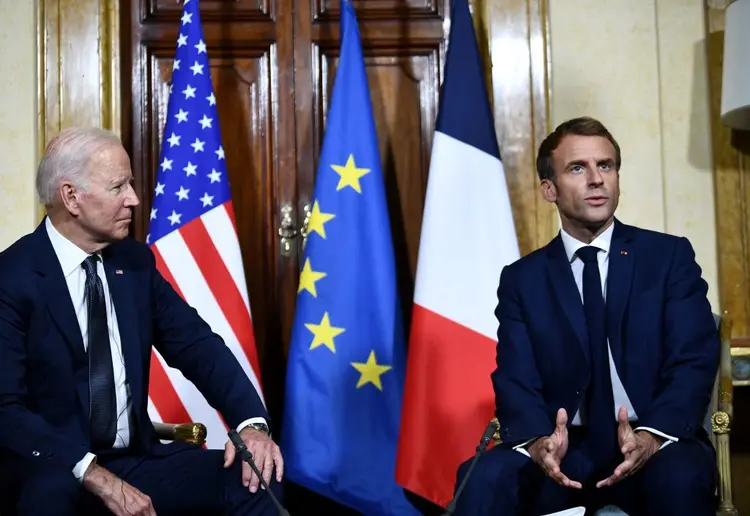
213, 9
328, 10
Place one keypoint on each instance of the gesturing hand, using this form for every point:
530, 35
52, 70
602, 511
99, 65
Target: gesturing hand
637, 448
548, 452
120, 497
266, 454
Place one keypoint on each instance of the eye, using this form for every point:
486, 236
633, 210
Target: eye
577, 169
605, 166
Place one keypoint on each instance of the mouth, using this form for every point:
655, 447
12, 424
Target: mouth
596, 200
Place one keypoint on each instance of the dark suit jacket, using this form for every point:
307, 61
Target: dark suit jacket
43, 410
660, 327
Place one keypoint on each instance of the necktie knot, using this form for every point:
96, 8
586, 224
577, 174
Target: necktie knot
89, 265
588, 254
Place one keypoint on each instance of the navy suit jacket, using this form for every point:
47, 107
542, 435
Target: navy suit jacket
661, 332
43, 409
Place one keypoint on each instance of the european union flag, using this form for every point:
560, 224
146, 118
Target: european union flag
345, 369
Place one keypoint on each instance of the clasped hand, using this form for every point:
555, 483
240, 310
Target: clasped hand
266, 454
636, 448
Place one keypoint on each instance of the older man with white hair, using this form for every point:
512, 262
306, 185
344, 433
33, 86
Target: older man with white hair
81, 305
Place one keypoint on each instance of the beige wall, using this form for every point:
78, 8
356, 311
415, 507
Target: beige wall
18, 116
639, 66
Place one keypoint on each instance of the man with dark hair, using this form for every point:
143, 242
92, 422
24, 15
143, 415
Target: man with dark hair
607, 352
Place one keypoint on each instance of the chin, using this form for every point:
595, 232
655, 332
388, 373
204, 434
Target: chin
119, 234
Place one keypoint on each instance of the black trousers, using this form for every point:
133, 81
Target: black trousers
678, 480
189, 481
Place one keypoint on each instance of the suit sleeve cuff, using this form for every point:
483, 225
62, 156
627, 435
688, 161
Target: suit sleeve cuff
521, 448
668, 439
80, 468
250, 422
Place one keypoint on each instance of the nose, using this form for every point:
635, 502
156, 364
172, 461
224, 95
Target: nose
594, 177
131, 199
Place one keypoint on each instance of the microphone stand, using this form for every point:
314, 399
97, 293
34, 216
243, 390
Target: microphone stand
242, 450
481, 448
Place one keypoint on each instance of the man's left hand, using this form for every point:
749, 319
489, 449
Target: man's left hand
637, 448
266, 454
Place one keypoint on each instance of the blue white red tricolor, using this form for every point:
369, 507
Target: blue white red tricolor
468, 236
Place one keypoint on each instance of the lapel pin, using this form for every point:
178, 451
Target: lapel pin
624, 253
118, 271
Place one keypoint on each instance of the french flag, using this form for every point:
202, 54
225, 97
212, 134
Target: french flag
467, 238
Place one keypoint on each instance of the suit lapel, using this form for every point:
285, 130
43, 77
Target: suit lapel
59, 304
621, 263
564, 286
120, 285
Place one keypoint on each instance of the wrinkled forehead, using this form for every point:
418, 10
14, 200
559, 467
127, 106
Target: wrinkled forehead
109, 163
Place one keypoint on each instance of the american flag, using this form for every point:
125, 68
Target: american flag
192, 232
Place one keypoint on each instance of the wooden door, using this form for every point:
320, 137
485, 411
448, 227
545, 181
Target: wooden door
251, 55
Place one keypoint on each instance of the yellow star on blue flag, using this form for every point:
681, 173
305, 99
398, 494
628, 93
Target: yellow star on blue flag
347, 356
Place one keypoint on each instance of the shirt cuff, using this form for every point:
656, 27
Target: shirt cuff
521, 448
80, 468
668, 439
250, 422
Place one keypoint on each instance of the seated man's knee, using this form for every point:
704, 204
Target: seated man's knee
497, 470
683, 477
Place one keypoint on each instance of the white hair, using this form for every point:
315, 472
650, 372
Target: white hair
66, 158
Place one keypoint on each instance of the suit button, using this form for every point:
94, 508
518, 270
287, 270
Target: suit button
35, 453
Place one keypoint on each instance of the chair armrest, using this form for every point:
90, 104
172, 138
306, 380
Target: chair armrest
192, 433
496, 439
721, 419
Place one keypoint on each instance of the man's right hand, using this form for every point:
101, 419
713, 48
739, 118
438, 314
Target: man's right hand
120, 497
548, 452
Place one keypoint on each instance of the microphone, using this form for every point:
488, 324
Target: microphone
239, 445
481, 448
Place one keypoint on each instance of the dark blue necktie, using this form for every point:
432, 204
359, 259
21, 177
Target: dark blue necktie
103, 407
600, 406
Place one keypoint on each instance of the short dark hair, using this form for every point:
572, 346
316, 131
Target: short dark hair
582, 126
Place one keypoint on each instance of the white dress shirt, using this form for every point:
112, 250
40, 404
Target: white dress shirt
603, 242
71, 258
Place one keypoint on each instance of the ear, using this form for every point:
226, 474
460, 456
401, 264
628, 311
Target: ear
549, 190
70, 196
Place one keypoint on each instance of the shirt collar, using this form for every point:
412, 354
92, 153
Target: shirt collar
68, 254
572, 244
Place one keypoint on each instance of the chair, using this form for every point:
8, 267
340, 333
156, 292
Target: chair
192, 433
718, 423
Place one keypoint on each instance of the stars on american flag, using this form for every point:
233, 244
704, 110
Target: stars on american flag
191, 174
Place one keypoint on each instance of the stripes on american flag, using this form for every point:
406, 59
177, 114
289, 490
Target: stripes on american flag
192, 232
